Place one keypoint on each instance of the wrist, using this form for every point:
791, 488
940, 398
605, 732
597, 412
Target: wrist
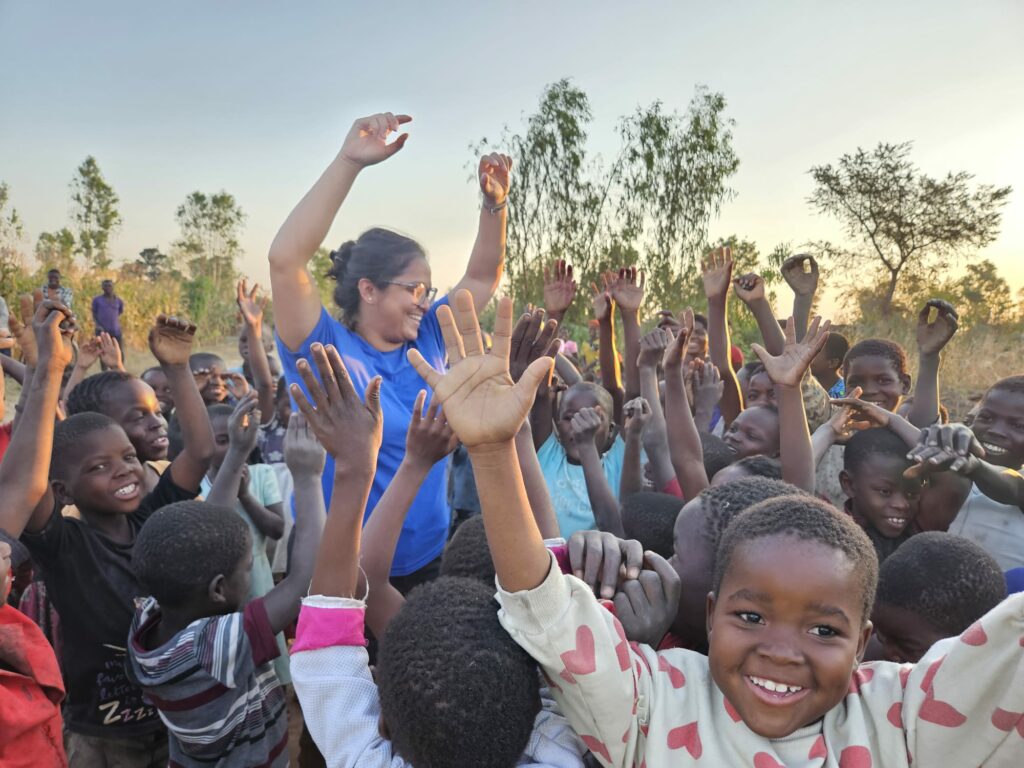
416, 465
176, 368
347, 164
628, 314
492, 455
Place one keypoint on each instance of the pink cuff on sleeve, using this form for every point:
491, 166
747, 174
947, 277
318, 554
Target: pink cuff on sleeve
327, 627
561, 553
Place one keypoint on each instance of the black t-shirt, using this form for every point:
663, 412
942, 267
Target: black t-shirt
90, 581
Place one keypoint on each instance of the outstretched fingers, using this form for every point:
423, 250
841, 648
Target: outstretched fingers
423, 368
468, 324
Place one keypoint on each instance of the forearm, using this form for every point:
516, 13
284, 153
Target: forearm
536, 488
487, 260
521, 560
822, 440
906, 431
224, 488
381, 532
26, 389
702, 415
13, 368
77, 374
566, 370
607, 358
261, 375
925, 409
802, 314
196, 433
683, 439
797, 453
999, 483
631, 339
718, 346
772, 335
268, 522
542, 417
655, 436
632, 480
602, 499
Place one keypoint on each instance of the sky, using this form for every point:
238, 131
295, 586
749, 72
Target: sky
255, 98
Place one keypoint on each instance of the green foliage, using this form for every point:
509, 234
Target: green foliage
12, 231
153, 264
56, 250
906, 223
319, 266
210, 227
94, 211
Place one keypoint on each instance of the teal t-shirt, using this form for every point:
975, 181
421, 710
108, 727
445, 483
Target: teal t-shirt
567, 486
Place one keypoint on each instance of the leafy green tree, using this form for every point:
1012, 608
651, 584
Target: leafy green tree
319, 266
12, 231
984, 295
906, 222
210, 227
56, 250
95, 214
152, 263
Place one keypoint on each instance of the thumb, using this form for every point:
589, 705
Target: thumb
976, 449
538, 372
396, 145
372, 395
761, 352
423, 368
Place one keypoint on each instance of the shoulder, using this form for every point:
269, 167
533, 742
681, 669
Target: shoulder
551, 450
328, 330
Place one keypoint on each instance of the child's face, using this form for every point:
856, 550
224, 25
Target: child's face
215, 389
573, 401
999, 427
106, 477
881, 383
692, 559
880, 493
823, 365
698, 344
136, 408
755, 432
221, 440
788, 613
162, 390
760, 390
905, 636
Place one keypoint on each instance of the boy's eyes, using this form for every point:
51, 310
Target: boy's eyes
823, 630
750, 617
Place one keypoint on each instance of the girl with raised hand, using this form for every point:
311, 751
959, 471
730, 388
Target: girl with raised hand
387, 306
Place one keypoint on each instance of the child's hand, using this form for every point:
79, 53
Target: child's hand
559, 287
237, 386
495, 174
652, 347
716, 269
708, 386
637, 413
749, 287
932, 337
647, 606
54, 328
347, 427
676, 350
366, 142
801, 272
532, 339
483, 405
244, 424
170, 340
602, 299
243, 482
429, 438
788, 369
251, 308
627, 289
951, 447
110, 352
853, 415
585, 424
21, 328
600, 559
88, 353
303, 453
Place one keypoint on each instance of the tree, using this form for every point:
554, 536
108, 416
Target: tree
56, 250
908, 222
651, 207
210, 227
11, 233
94, 210
985, 297
152, 263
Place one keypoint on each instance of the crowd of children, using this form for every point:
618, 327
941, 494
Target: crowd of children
664, 556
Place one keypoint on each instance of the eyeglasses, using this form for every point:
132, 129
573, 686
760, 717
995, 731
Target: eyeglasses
420, 292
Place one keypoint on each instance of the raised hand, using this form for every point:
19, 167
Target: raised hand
21, 327
585, 424
53, 329
647, 605
749, 288
237, 386
708, 386
347, 427
801, 273
559, 287
302, 451
110, 352
483, 405
941, 447
788, 368
495, 174
250, 306
716, 271
853, 415
933, 336
652, 347
532, 339
602, 298
637, 413
601, 559
244, 424
170, 340
627, 289
367, 139
676, 350
429, 438
88, 353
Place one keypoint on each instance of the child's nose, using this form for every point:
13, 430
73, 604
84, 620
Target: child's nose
779, 648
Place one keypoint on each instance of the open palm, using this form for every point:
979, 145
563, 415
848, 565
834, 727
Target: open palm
481, 402
788, 368
716, 271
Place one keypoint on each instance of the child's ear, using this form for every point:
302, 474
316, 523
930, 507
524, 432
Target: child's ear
61, 493
907, 382
709, 613
846, 483
215, 590
862, 641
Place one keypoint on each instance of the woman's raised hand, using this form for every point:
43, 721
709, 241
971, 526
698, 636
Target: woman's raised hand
481, 402
495, 177
367, 139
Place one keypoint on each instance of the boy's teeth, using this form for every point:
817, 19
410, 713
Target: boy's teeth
771, 685
993, 449
127, 490
896, 520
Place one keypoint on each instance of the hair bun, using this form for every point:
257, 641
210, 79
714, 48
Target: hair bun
340, 259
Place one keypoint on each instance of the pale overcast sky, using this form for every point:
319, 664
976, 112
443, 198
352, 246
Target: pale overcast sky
254, 98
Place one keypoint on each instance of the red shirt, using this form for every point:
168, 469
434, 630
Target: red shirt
5, 437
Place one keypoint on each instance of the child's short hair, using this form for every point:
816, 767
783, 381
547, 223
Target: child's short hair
809, 519
717, 453
890, 350
878, 441
948, 580
722, 503
699, 319
151, 369
836, 347
219, 409
68, 435
650, 518
602, 395
1009, 384
467, 555
761, 466
92, 392
201, 360
455, 688
184, 546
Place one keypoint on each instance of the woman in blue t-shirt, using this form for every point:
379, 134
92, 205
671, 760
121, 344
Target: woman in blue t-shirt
386, 301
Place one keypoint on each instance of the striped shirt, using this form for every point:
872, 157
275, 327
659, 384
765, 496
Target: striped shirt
215, 688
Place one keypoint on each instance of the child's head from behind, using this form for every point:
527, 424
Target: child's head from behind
213, 368
755, 432
157, 379
999, 423
751, 466
697, 531
466, 553
129, 401
872, 477
95, 466
717, 454
196, 556
879, 368
220, 415
455, 688
650, 518
576, 398
788, 615
935, 585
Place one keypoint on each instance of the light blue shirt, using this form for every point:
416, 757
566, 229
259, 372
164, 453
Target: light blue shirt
568, 487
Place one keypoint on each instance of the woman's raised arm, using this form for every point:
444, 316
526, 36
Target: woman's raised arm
487, 261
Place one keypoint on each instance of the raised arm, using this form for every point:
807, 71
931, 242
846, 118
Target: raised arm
608, 358
170, 341
243, 427
295, 292
559, 289
932, 337
655, 435
537, 493
683, 438
637, 413
532, 339
586, 430
801, 273
717, 274
627, 292
252, 314
750, 289
487, 261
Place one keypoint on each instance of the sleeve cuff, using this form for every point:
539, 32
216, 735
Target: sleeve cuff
326, 622
560, 549
535, 610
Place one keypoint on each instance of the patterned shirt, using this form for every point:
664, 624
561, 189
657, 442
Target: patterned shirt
64, 294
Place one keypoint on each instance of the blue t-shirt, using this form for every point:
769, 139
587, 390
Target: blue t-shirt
426, 524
